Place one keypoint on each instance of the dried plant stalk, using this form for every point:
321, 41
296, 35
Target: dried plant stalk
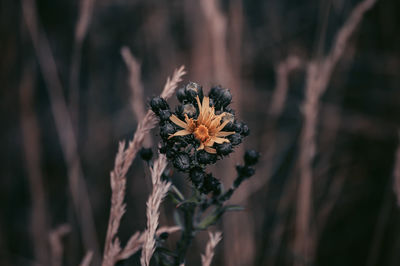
87, 259
64, 126
123, 161
31, 144
212, 243
136, 85
318, 75
160, 189
56, 246
396, 173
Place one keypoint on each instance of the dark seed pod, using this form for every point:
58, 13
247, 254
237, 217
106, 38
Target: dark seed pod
181, 95
224, 148
238, 127
146, 154
229, 127
225, 98
245, 171
229, 110
164, 236
190, 110
170, 153
192, 90
215, 92
211, 184
157, 104
164, 115
166, 130
235, 139
251, 157
204, 157
197, 175
245, 130
165, 176
182, 162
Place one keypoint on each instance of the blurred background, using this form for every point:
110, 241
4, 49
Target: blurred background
76, 75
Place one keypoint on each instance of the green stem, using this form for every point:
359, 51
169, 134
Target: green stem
187, 234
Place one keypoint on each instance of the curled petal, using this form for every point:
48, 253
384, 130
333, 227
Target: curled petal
210, 150
182, 132
224, 133
177, 121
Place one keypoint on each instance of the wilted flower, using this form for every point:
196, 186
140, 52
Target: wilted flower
202, 129
207, 128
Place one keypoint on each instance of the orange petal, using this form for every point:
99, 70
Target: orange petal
221, 126
200, 147
219, 140
182, 132
200, 116
210, 150
224, 133
177, 121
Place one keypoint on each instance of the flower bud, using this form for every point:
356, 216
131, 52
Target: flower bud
166, 130
157, 104
182, 162
224, 148
235, 139
146, 154
251, 157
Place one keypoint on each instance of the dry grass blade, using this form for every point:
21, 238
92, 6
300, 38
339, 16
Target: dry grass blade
87, 259
56, 246
136, 85
32, 151
173, 82
206, 259
64, 126
396, 174
318, 75
160, 189
123, 161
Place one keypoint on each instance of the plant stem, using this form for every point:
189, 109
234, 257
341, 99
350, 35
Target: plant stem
187, 234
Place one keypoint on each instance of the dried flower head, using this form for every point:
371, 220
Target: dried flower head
201, 130
207, 128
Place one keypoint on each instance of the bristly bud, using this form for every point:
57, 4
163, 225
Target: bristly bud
235, 139
226, 98
245, 130
245, 171
211, 184
164, 115
182, 162
192, 90
157, 104
146, 154
189, 109
197, 175
166, 130
181, 95
251, 157
222, 97
204, 157
224, 148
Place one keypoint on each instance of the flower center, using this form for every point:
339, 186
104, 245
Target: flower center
201, 133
